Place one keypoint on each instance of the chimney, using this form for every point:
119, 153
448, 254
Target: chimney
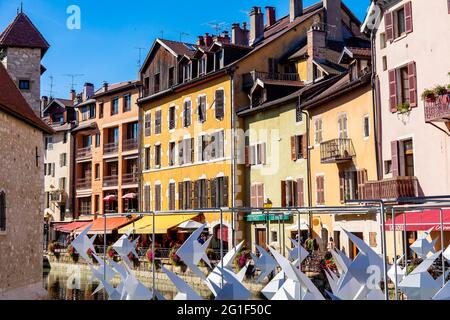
201, 41
73, 95
295, 9
270, 16
44, 104
88, 91
333, 19
239, 36
208, 39
316, 47
105, 86
256, 25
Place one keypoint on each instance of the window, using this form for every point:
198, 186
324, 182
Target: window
387, 167
63, 159
147, 198
185, 195
172, 196
219, 192
201, 194
158, 120
97, 171
148, 124
383, 40
2, 211
403, 161
403, 86
65, 137
53, 166
115, 106
100, 110
352, 184
257, 154
126, 103
399, 22
158, 199
274, 236
202, 66
186, 151
318, 131
187, 113
97, 140
158, 156
186, 72
211, 146
172, 118
298, 112
48, 143
24, 85
220, 104
366, 126
156, 82
384, 63
257, 195
171, 76
299, 147
289, 193
147, 158
373, 239
201, 109
342, 126
171, 154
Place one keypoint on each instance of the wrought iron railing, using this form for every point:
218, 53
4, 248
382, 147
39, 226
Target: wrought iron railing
130, 178
438, 110
398, 187
112, 147
84, 183
249, 79
336, 150
84, 152
110, 181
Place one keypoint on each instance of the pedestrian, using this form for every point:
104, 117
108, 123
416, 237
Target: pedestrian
331, 245
309, 245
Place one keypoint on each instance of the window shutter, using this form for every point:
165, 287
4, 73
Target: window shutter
394, 158
191, 150
263, 153
260, 188
200, 148
393, 90
408, 17
293, 152
213, 194
361, 180
305, 146
196, 197
341, 187
219, 104
448, 5
320, 190
389, 26
247, 156
253, 196
283, 194
300, 193
180, 196
53, 170
189, 195
412, 78
225, 192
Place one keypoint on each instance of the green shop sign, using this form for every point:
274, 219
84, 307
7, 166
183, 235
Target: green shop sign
267, 217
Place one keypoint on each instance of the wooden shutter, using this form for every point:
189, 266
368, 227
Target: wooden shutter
254, 196
389, 26
180, 196
260, 188
263, 153
342, 186
320, 190
219, 104
225, 192
191, 150
293, 149
393, 90
53, 170
361, 177
247, 156
200, 148
190, 195
300, 192
172, 196
305, 146
408, 17
148, 124
448, 5
412, 78
213, 183
283, 193
394, 158
196, 197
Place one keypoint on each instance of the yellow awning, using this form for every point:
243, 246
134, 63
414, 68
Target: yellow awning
162, 224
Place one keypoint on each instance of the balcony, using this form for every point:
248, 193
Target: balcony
337, 151
58, 196
130, 144
110, 181
130, 178
84, 153
249, 79
84, 183
438, 110
111, 148
398, 187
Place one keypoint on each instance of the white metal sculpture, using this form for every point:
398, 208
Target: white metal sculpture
422, 247
264, 262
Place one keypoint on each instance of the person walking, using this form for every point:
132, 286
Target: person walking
331, 245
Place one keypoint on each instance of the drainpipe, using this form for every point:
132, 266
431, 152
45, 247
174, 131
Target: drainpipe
74, 171
308, 167
233, 160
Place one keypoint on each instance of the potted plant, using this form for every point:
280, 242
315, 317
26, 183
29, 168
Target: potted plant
428, 95
404, 108
440, 90
73, 253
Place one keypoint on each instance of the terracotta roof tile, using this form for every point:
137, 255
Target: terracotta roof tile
12, 101
23, 34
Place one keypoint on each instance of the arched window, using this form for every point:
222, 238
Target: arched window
2, 211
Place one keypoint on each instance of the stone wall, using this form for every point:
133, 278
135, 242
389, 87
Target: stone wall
23, 182
25, 64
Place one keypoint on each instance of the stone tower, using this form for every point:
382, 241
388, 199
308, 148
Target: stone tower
22, 48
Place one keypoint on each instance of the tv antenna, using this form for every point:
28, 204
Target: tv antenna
51, 86
140, 49
183, 34
218, 26
73, 76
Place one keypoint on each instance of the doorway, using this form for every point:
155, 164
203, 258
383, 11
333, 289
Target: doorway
352, 249
261, 239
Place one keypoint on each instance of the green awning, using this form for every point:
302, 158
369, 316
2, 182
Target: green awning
268, 217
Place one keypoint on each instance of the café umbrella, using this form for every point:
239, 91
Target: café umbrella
190, 224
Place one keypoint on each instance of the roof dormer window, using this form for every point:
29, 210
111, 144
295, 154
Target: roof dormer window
202, 66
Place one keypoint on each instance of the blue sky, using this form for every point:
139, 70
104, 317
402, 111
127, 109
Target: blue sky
105, 48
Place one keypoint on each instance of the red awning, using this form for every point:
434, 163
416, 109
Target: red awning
98, 226
420, 221
72, 226
110, 198
130, 196
224, 233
